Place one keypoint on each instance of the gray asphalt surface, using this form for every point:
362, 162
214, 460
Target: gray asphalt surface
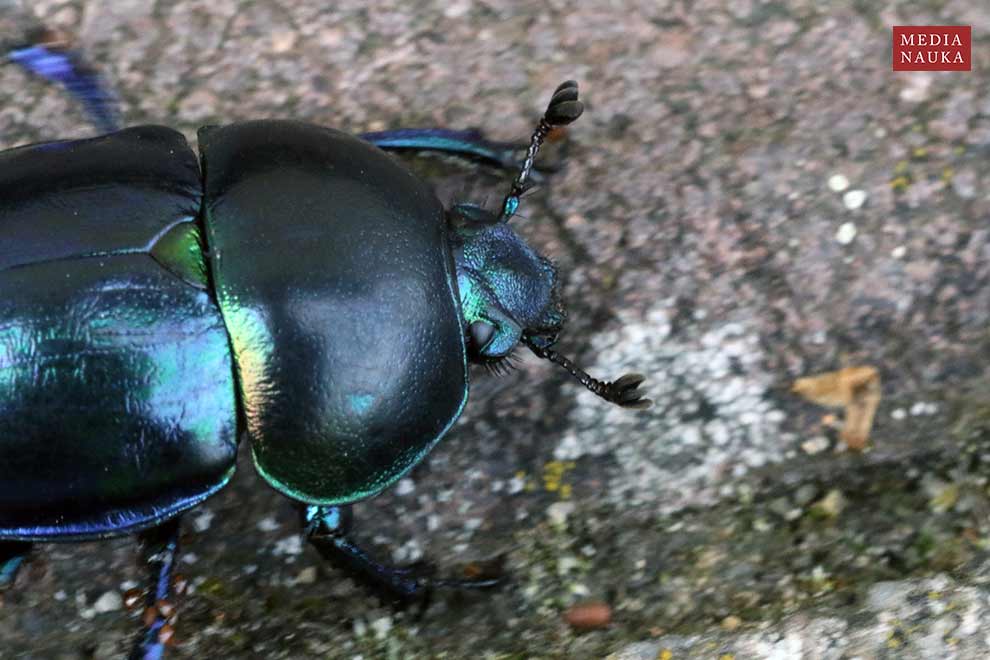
702, 244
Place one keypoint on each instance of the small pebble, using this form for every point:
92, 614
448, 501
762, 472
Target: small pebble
917, 88
588, 616
832, 504
288, 546
516, 485
580, 590
854, 199
268, 524
381, 627
846, 233
559, 511
108, 602
838, 182
566, 564
283, 41
898, 252
107, 649
815, 445
805, 494
202, 522
306, 575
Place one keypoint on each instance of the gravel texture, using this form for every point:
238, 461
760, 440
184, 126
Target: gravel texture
752, 196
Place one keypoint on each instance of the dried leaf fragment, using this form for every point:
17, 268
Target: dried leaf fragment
857, 389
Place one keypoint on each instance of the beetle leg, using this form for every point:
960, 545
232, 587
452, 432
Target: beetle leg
326, 529
159, 551
12, 555
47, 55
471, 143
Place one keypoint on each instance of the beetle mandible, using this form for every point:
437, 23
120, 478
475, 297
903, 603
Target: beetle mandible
292, 283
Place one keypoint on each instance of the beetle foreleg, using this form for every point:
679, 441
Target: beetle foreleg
12, 555
159, 551
471, 143
327, 527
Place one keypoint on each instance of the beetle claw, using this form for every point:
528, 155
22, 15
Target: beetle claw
467, 584
484, 574
625, 392
414, 585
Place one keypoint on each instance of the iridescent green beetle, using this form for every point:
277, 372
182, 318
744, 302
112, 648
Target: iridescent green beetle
293, 284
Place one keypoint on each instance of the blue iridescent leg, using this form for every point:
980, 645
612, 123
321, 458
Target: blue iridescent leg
471, 143
326, 529
159, 552
58, 64
12, 555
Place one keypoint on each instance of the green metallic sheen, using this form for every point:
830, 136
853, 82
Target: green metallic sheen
180, 250
117, 399
116, 376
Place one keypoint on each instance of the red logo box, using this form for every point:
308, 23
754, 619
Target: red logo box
933, 48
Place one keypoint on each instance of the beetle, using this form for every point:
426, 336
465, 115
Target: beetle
291, 284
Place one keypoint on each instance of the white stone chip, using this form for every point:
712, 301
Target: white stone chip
917, 87
854, 199
267, 524
846, 233
288, 546
203, 520
558, 512
815, 445
306, 575
838, 182
108, 602
381, 627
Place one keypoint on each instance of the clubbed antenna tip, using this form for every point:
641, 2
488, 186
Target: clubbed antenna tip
623, 392
564, 108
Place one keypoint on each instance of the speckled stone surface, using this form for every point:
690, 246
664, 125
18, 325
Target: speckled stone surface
752, 196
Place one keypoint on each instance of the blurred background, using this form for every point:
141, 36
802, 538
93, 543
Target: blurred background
751, 197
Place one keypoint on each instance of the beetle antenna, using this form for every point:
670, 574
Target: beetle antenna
564, 108
623, 392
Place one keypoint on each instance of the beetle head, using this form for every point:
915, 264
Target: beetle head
508, 291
